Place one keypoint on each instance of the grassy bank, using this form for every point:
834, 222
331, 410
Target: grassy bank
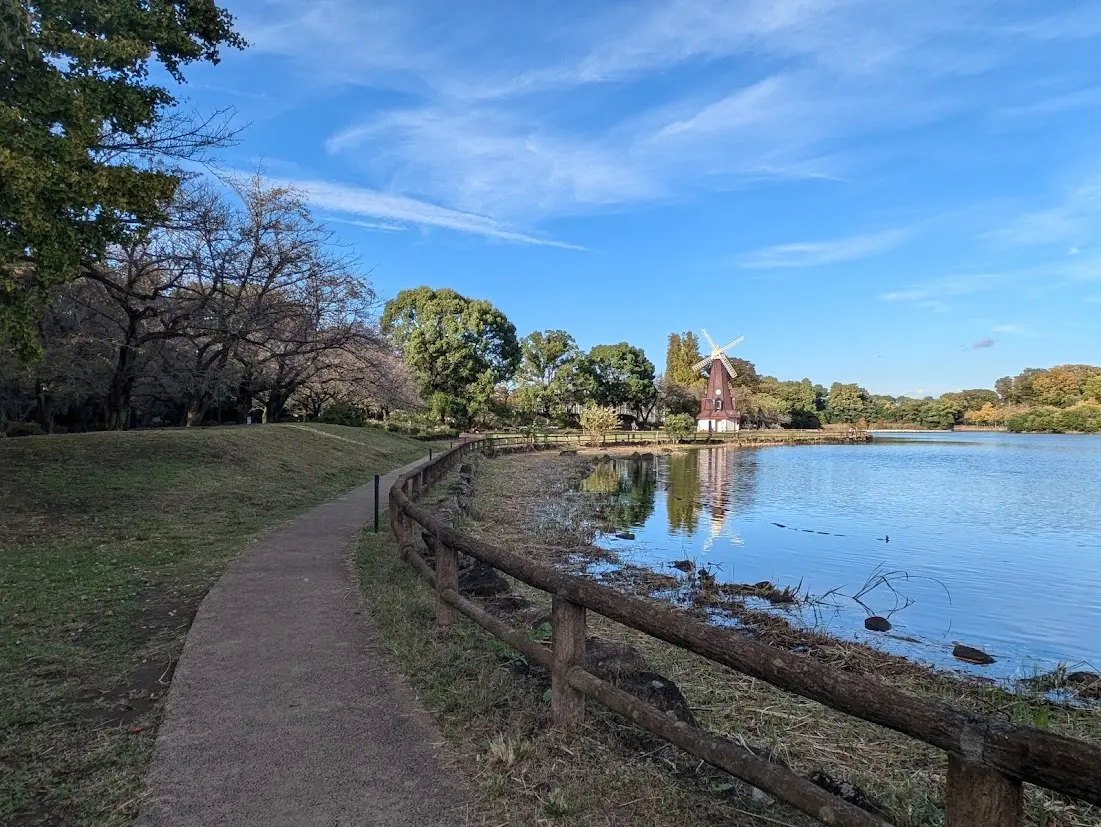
481, 697
108, 542
493, 708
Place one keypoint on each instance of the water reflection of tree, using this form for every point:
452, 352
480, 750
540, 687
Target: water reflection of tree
630, 487
683, 492
720, 479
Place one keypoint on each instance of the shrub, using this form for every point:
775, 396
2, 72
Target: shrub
679, 426
1084, 417
1041, 419
343, 413
24, 429
597, 421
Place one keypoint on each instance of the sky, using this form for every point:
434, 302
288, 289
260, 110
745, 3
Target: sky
903, 195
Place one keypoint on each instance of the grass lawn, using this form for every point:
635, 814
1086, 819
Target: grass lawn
108, 543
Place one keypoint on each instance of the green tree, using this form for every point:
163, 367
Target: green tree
846, 403
546, 373
800, 399
459, 349
971, 399
682, 353
1091, 389
85, 129
940, 414
677, 399
1004, 388
613, 375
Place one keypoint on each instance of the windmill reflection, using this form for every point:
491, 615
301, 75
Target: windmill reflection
704, 490
720, 480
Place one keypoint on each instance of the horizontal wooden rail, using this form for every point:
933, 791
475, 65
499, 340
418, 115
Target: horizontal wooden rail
989, 757
719, 752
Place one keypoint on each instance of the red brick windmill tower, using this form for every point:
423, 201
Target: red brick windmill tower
717, 409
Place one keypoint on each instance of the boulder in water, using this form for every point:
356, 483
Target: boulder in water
972, 655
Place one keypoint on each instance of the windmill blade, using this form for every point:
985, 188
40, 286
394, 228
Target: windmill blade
729, 345
726, 364
700, 365
710, 341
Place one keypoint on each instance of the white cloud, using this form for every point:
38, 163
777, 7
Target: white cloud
1074, 221
397, 209
938, 289
528, 112
1084, 98
816, 253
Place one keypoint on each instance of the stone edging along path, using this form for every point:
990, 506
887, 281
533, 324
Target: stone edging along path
282, 711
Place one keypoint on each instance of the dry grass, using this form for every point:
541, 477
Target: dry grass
493, 709
904, 776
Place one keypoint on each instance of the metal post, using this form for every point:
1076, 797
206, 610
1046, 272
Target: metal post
376, 503
429, 454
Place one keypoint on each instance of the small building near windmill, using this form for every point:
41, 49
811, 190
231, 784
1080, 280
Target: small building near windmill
718, 411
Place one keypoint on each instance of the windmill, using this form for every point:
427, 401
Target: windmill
717, 410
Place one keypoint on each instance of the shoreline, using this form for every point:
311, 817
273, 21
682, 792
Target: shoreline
532, 501
541, 503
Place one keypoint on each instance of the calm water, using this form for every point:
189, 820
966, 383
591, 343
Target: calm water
999, 534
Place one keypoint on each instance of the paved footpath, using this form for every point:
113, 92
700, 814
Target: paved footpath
282, 711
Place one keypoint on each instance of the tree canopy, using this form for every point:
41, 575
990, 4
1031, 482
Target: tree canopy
84, 132
549, 358
620, 374
459, 349
682, 353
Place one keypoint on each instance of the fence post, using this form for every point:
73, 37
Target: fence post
376, 503
447, 577
568, 647
981, 797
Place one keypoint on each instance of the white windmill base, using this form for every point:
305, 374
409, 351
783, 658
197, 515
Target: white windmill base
720, 425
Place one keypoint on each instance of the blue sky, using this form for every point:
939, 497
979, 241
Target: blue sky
902, 195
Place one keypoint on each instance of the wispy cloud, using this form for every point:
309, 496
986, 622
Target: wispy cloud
399, 210
527, 113
941, 288
983, 343
1073, 221
816, 253
1051, 104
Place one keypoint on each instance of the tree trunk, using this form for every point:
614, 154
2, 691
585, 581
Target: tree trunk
196, 412
274, 409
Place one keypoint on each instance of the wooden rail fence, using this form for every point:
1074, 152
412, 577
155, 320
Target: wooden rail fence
988, 759
746, 436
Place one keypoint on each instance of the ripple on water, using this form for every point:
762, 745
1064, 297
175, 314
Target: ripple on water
992, 540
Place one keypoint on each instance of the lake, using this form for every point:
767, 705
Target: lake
993, 539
